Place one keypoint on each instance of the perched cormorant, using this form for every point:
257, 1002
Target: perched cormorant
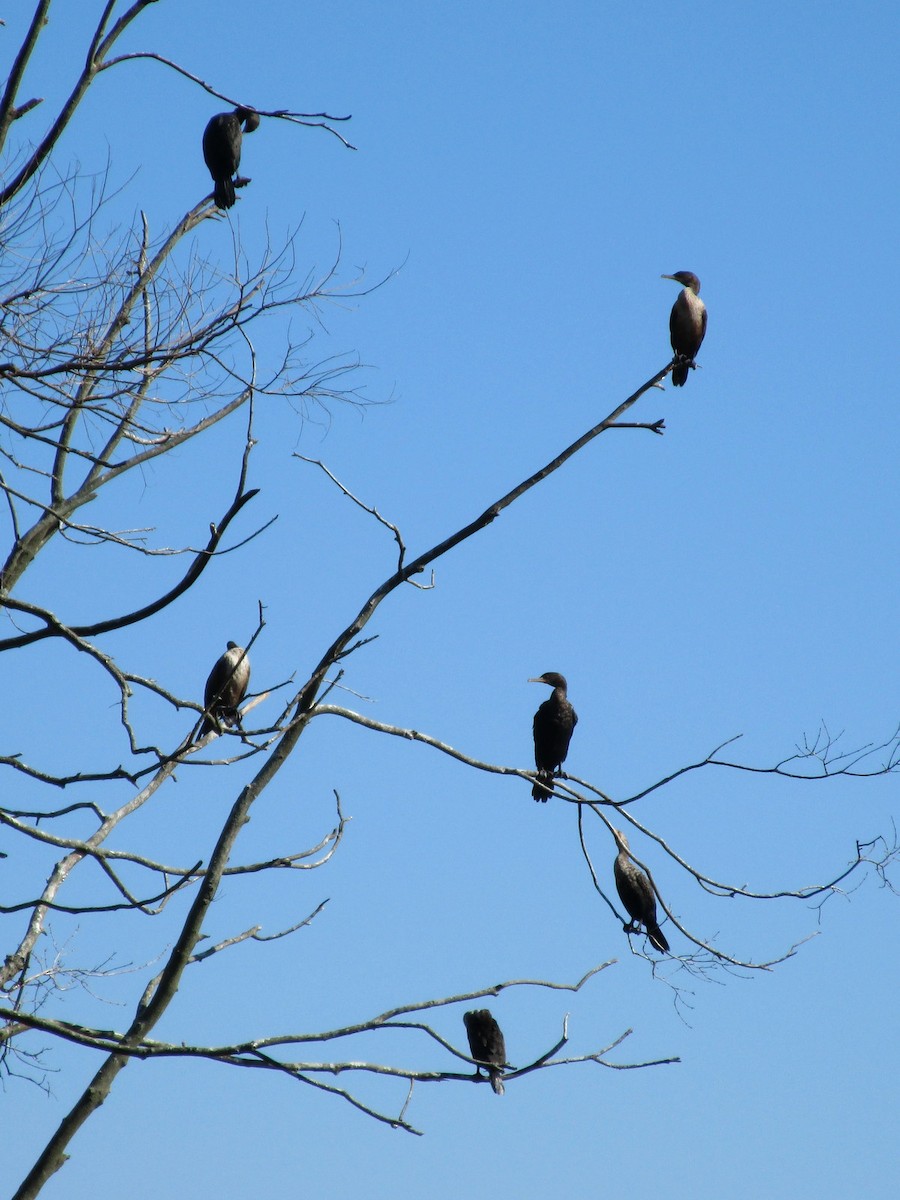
486, 1045
687, 324
636, 893
222, 150
225, 689
553, 725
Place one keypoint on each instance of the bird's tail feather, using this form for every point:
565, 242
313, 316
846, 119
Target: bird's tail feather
657, 939
680, 373
223, 193
541, 791
497, 1082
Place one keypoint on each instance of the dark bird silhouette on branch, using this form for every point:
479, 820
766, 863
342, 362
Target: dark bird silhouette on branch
486, 1045
554, 722
222, 150
687, 325
225, 689
636, 893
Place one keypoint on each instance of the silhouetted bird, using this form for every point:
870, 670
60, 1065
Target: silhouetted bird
225, 689
636, 893
222, 150
553, 725
687, 324
486, 1045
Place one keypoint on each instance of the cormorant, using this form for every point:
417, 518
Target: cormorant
225, 689
553, 725
486, 1045
687, 324
636, 893
222, 150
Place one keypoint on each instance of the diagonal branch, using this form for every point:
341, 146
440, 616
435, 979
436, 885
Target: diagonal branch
53, 628
339, 647
313, 120
99, 46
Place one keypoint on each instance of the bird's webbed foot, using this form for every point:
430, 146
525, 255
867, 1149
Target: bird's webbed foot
227, 717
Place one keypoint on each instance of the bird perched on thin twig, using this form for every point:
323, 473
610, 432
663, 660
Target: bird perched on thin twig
636, 893
225, 689
554, 722
222, 150
687, 325
486, 1045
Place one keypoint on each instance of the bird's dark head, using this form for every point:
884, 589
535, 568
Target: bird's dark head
552, 679
687, 279
476, 1016
248, 118
231, 646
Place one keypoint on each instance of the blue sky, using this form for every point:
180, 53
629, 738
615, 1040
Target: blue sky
521, 181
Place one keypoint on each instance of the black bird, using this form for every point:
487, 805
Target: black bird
222, 150
225, 689
553, 725
636, 893
687, 325
486, 1045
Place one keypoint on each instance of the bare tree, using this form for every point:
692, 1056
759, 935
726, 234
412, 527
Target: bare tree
118, 349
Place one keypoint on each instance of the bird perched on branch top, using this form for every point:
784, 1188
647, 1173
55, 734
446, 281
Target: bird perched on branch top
222, 150
225, 689
636, 893
687, 325
554, 722
486, 1044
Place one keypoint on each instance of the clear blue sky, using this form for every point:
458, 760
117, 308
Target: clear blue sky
532, 170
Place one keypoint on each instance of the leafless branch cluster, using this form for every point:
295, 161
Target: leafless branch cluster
116, 349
